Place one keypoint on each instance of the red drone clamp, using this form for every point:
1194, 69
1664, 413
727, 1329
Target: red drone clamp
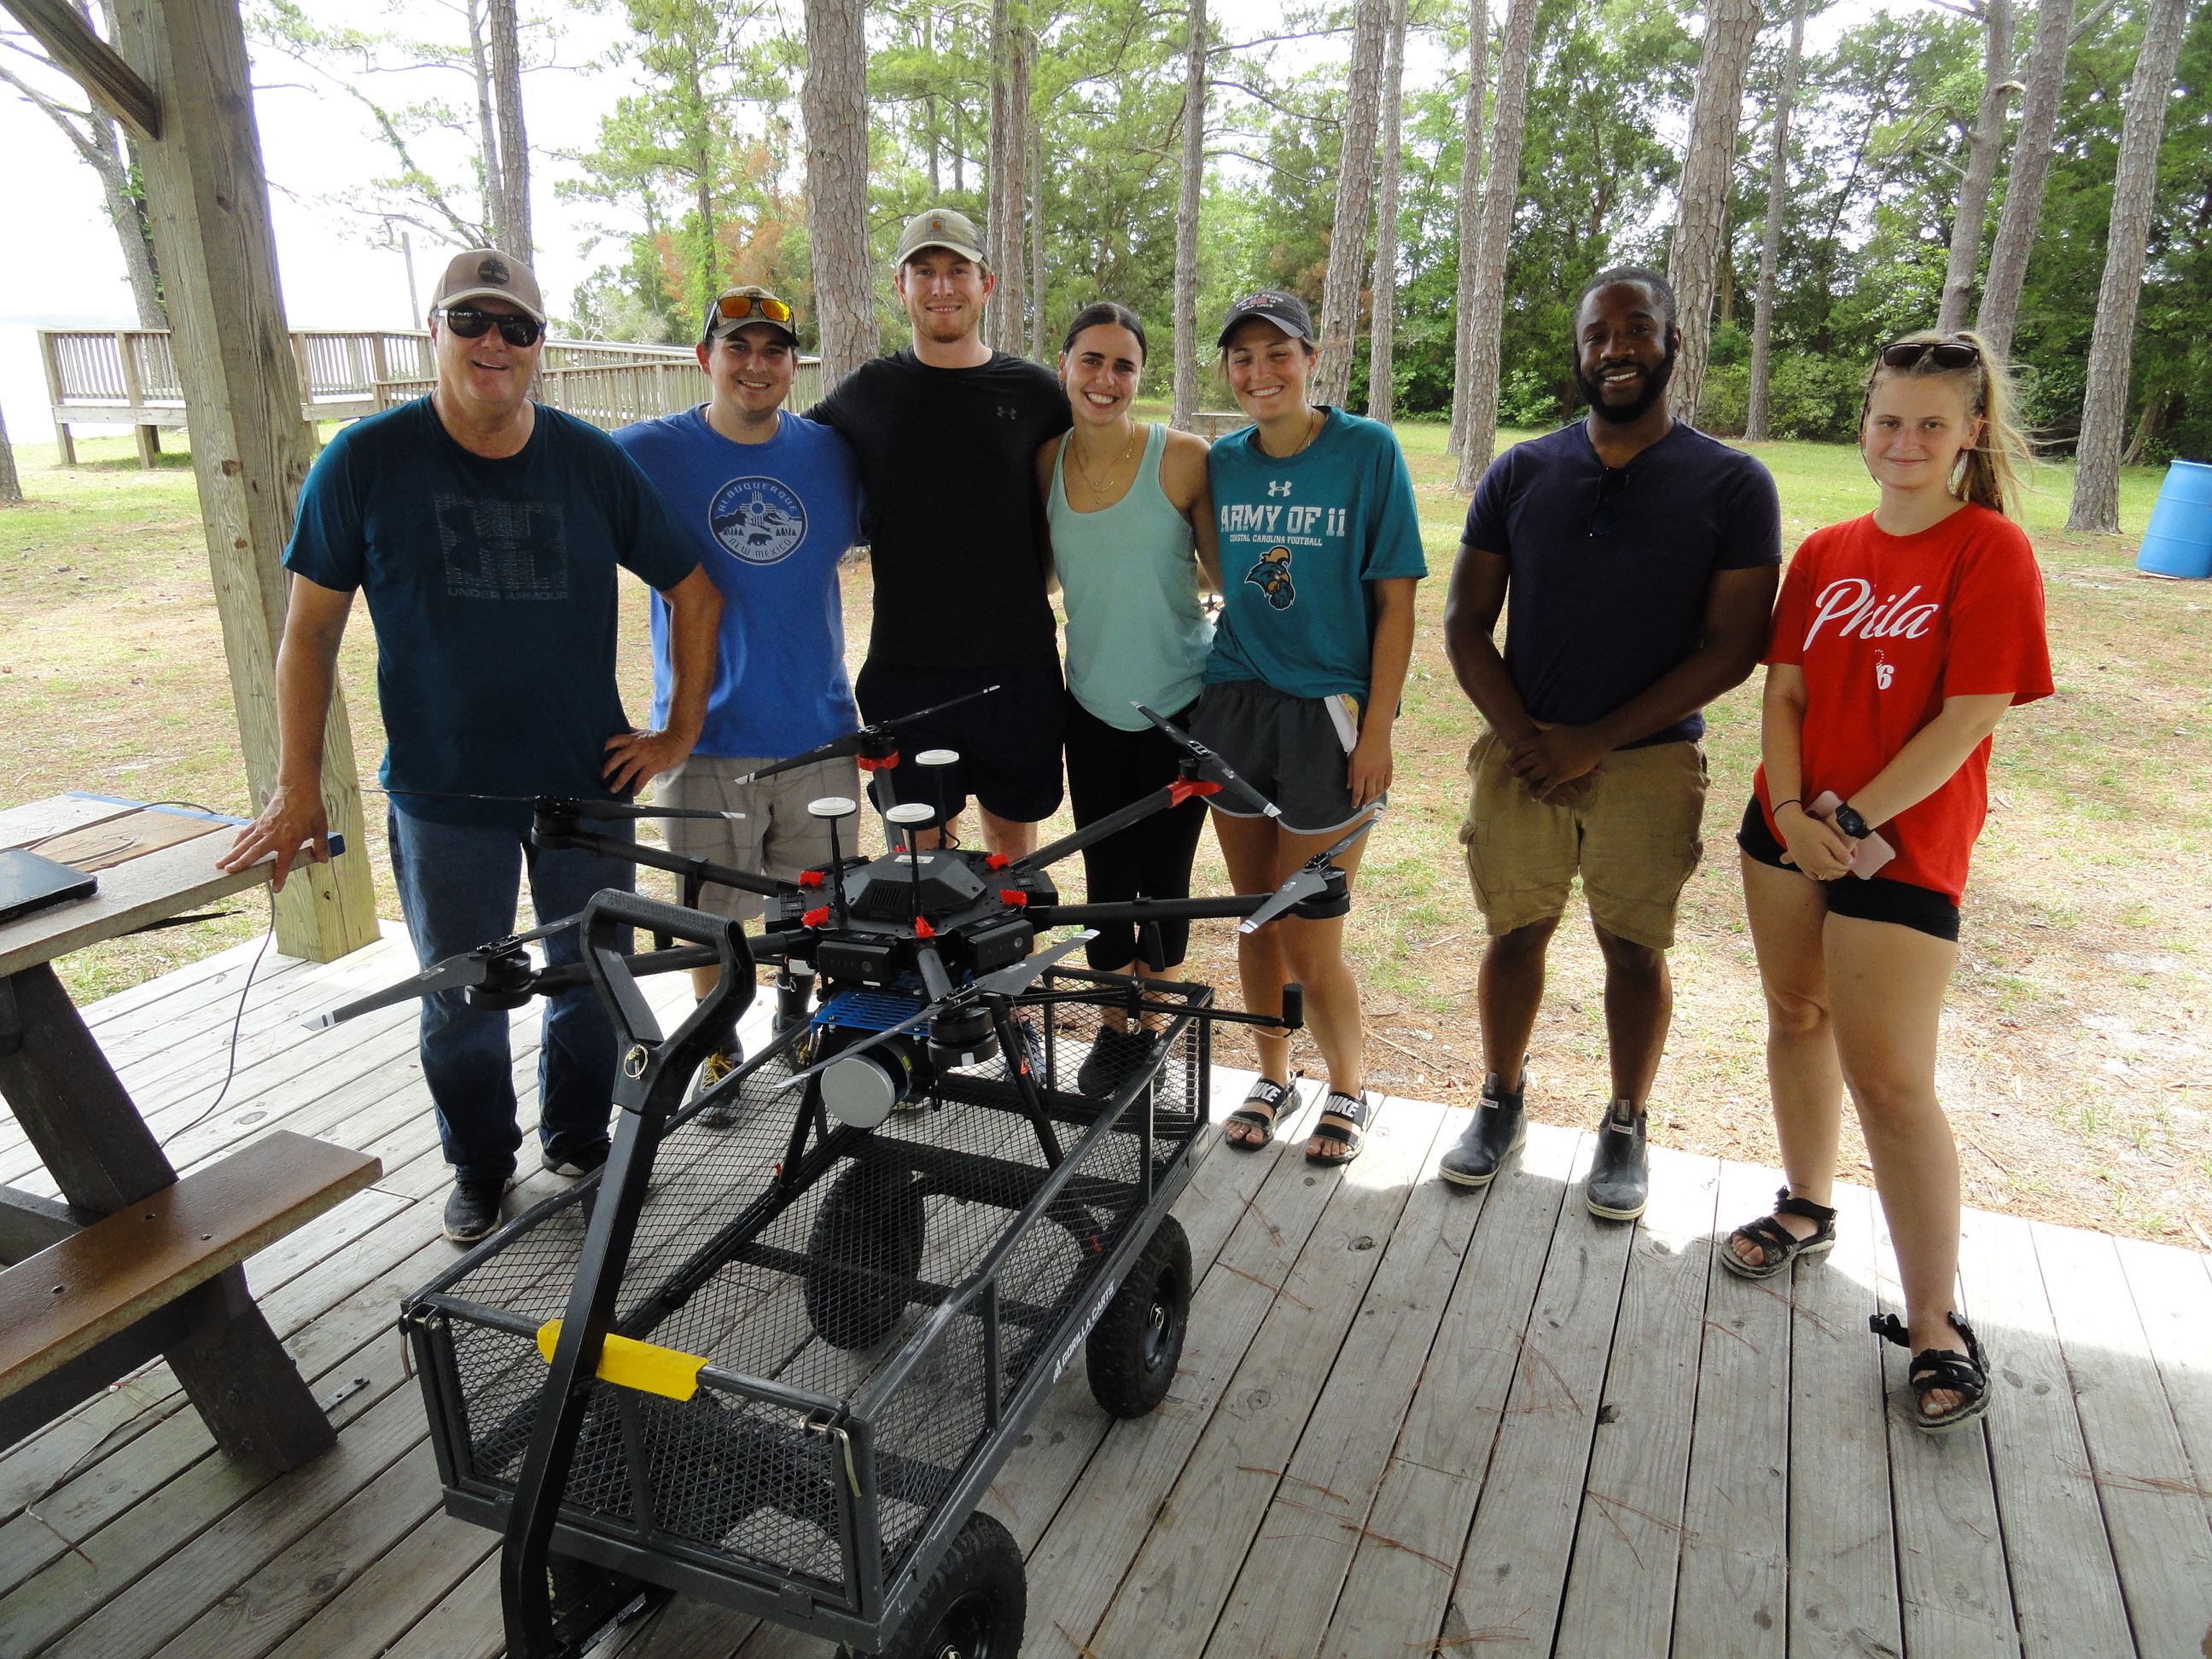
810, 877
869, 764
1013, 895
1183, 788
816, 918
923, 929
996, 861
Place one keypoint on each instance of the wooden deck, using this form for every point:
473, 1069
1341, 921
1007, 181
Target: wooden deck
1411, 1420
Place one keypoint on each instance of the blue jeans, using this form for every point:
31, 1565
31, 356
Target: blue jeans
459, 886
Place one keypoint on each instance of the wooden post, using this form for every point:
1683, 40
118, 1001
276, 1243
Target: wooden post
209, 202
50, 355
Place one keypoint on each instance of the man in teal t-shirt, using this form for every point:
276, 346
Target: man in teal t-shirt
485, 532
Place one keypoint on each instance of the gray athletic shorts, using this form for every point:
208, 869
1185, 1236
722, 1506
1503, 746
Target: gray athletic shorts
775, 836
1287, 748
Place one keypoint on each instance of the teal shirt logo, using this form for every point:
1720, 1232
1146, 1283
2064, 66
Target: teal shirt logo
1272, 576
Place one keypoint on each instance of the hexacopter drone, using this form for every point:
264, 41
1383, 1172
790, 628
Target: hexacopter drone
773, 1352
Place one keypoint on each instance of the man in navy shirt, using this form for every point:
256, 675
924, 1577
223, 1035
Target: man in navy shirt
771, 502
1642, 557
485, 531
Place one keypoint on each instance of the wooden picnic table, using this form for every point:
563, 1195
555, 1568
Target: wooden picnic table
135, 1264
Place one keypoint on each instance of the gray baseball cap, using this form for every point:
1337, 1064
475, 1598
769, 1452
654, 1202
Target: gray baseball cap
944, 228
1286, 311
485, 272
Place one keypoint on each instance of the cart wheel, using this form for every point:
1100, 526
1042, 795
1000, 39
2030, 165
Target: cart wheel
1136, 1345
973, 1606
872, 1218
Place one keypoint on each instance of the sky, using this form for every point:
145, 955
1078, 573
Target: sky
315, 143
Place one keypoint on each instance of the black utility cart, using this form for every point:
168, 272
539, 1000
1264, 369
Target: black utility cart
772, 1354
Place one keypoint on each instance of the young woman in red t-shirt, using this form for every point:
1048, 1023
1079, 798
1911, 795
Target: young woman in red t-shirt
1899, 640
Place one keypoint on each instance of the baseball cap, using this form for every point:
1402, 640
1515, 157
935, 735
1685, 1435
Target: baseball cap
943, 227
724, 317
1286, 311
485, 272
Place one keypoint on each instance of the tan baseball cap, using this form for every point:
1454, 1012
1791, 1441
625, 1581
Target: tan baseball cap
485, 272
944, 228
735, 308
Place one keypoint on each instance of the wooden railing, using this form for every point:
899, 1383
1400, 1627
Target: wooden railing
126, 377
616, 394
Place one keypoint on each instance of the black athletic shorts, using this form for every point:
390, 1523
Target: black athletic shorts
1008, 742
1877, 898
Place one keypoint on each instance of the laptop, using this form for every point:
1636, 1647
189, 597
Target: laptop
29, 883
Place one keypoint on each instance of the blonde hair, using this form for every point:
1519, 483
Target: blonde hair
1991, 472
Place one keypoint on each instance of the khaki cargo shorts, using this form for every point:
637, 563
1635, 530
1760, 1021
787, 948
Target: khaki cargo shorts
1632, 839
775, 837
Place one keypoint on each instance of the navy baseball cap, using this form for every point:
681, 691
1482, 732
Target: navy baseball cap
1286, 311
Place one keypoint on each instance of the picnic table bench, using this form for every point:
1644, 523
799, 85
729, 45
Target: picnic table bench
133, 1264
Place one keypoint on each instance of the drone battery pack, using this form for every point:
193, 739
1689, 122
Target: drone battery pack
994, 947
29, 883
868, 961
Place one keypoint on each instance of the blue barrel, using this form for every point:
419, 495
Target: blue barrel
2179, 540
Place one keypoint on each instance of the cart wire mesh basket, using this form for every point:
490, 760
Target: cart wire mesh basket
873, 1339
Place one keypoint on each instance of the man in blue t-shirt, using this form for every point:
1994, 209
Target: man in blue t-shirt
771, 502
1642, 557
485, 531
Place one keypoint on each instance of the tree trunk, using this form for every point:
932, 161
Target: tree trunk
1985, 145
1355, 204
487, 115
2135, 190
1039, 344
1380, 329
834, 106
1187, 207
1003, 238
125, 199
1501, 191
1470, 218
11, 487
1693, 261
2023, 212
513, 192
1770, 250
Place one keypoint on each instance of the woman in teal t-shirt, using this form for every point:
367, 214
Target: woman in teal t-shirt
1132, 544
1320, 547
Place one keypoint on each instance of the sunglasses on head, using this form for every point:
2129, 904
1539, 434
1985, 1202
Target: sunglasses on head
1908, 353
470, 323
737, 307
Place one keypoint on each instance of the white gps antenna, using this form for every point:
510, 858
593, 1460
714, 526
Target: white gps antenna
832, 808
910, 816
935, 759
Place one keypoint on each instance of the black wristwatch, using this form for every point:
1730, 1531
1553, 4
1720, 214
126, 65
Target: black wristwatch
1851, 823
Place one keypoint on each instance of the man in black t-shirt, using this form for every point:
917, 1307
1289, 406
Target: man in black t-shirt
947, 432
1642, 559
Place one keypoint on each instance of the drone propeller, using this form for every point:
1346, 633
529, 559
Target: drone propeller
1010, 980
856, 743
584, 809
460, 972
1308, 880
1211, 766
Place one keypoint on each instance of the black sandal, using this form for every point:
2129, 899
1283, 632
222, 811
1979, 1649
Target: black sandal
1346, 1143
1778, 1246
1965, 1375
1265, 1093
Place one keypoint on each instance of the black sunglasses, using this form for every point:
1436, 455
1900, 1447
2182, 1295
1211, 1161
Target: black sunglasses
1609, 487
1908, 353
470, 323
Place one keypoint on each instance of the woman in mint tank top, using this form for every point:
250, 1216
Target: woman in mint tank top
1132, 545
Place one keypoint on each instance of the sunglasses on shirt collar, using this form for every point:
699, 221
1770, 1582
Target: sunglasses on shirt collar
470, 323
1609, 488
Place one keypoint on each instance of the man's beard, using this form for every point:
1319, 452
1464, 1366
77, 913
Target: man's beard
1627, 414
